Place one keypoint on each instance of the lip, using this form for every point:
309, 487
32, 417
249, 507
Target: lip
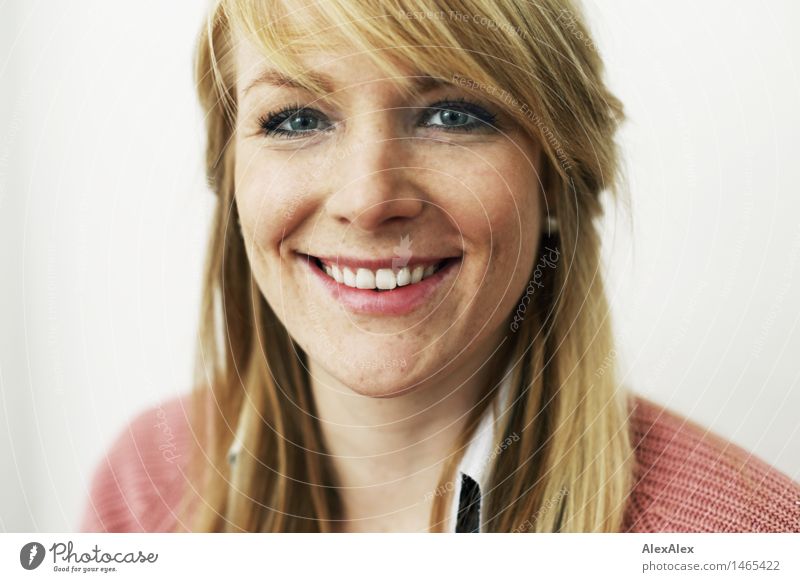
397, 301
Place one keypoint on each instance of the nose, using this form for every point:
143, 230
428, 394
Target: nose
375, 185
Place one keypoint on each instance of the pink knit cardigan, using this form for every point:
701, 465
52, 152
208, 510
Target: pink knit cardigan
686, 479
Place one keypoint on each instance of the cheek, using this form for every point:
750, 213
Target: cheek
256, 208
269, 201
499, 214
262, 202
501, 219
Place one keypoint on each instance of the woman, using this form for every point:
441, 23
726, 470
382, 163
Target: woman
404, 324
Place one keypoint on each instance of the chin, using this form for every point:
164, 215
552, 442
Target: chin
382, 383
378, 377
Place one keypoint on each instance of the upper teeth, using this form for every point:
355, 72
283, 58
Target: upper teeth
381, 279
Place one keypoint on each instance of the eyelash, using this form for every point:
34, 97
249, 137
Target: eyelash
271, 122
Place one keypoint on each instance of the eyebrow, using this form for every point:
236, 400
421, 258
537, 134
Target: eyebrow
419, 83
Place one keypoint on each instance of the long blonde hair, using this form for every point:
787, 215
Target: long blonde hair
571, 468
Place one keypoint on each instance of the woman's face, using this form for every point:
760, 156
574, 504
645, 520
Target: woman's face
393, 239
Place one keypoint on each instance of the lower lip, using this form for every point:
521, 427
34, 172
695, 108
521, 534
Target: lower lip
397, 301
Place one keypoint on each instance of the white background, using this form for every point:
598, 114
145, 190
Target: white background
103, 214
603, 556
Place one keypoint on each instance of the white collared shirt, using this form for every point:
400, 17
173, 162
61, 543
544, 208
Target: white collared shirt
475, 463
481, 451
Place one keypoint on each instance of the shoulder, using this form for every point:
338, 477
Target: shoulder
140, 481
690, 480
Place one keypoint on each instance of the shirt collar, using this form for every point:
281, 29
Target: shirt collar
481, 451
476, 461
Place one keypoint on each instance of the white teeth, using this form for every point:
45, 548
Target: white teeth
384, 279
365, 279
403, 277
348, 277
337, 274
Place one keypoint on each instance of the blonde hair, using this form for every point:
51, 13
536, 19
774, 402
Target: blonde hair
570, 470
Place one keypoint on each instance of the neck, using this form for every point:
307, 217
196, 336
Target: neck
388, 454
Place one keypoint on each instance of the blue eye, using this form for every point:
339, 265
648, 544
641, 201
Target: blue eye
460, 115
452, 118
451, 115
291, 121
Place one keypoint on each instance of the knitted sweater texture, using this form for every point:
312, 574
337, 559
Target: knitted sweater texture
686, 478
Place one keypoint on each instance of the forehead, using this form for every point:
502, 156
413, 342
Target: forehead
325, 73
339, 61
252, 60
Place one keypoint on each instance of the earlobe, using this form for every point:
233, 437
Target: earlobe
549, 222
550, 225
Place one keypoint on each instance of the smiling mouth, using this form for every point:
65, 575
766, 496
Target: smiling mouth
380, 279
